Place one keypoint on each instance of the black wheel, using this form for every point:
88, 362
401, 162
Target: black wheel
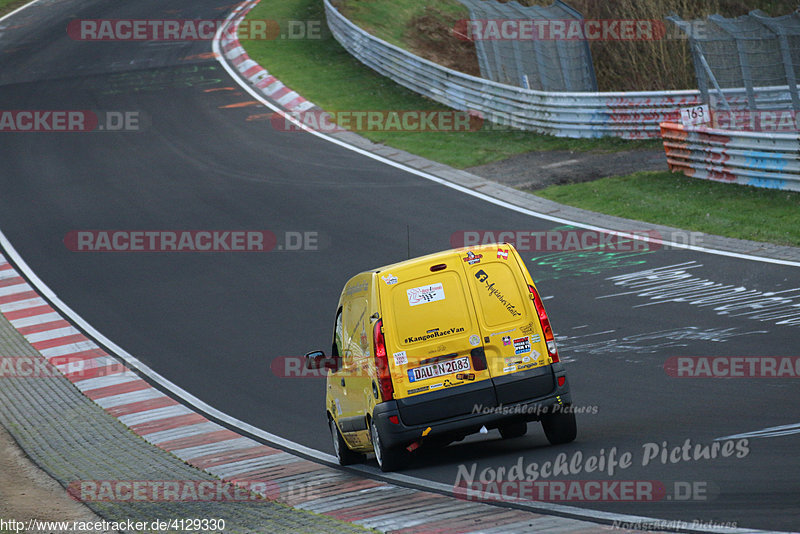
513, 430
388, 459
559, 427
343, 453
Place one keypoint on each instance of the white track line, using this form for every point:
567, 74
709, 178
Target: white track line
771, 432
20, 8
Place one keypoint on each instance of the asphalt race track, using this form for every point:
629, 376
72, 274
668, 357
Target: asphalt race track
213, 322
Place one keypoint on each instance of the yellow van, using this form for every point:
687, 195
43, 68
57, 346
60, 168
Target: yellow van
435, 348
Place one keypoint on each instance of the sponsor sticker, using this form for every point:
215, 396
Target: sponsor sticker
522, 345
434, 333
502, 254
389, 279
506, 341
509, 369
503, 333
418, 390
474, 340
425, 294
527, 329
473, 258
400, 358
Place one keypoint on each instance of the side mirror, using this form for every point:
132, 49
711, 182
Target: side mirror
318, 360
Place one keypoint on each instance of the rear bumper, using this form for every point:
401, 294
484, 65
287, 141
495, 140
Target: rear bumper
531, 409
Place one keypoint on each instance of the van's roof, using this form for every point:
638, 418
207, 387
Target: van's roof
443, 255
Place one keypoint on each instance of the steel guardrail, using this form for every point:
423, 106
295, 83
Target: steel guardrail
762, 159
629, 115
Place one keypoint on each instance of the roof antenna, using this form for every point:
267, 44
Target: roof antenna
408, 239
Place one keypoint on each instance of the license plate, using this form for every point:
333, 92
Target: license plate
438, 369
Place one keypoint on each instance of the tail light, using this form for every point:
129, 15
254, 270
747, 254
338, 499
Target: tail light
382, 363
549, 339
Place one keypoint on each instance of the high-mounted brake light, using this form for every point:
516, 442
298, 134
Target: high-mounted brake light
545, 322
382, 362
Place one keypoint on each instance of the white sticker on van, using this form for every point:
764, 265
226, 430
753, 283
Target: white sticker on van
400, 358
425, 294
390, 279
474, 340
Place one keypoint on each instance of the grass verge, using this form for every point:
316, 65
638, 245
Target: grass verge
700, 205
323, 72
326, 74
7, 6
422, 27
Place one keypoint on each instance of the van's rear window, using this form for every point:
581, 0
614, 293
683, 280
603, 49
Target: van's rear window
498, 293
430, 308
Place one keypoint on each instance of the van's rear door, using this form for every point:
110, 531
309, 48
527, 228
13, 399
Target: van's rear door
512, 337
433, 342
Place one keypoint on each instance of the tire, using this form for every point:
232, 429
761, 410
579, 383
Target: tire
513, 430
343, 452
388, 459
559, 427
